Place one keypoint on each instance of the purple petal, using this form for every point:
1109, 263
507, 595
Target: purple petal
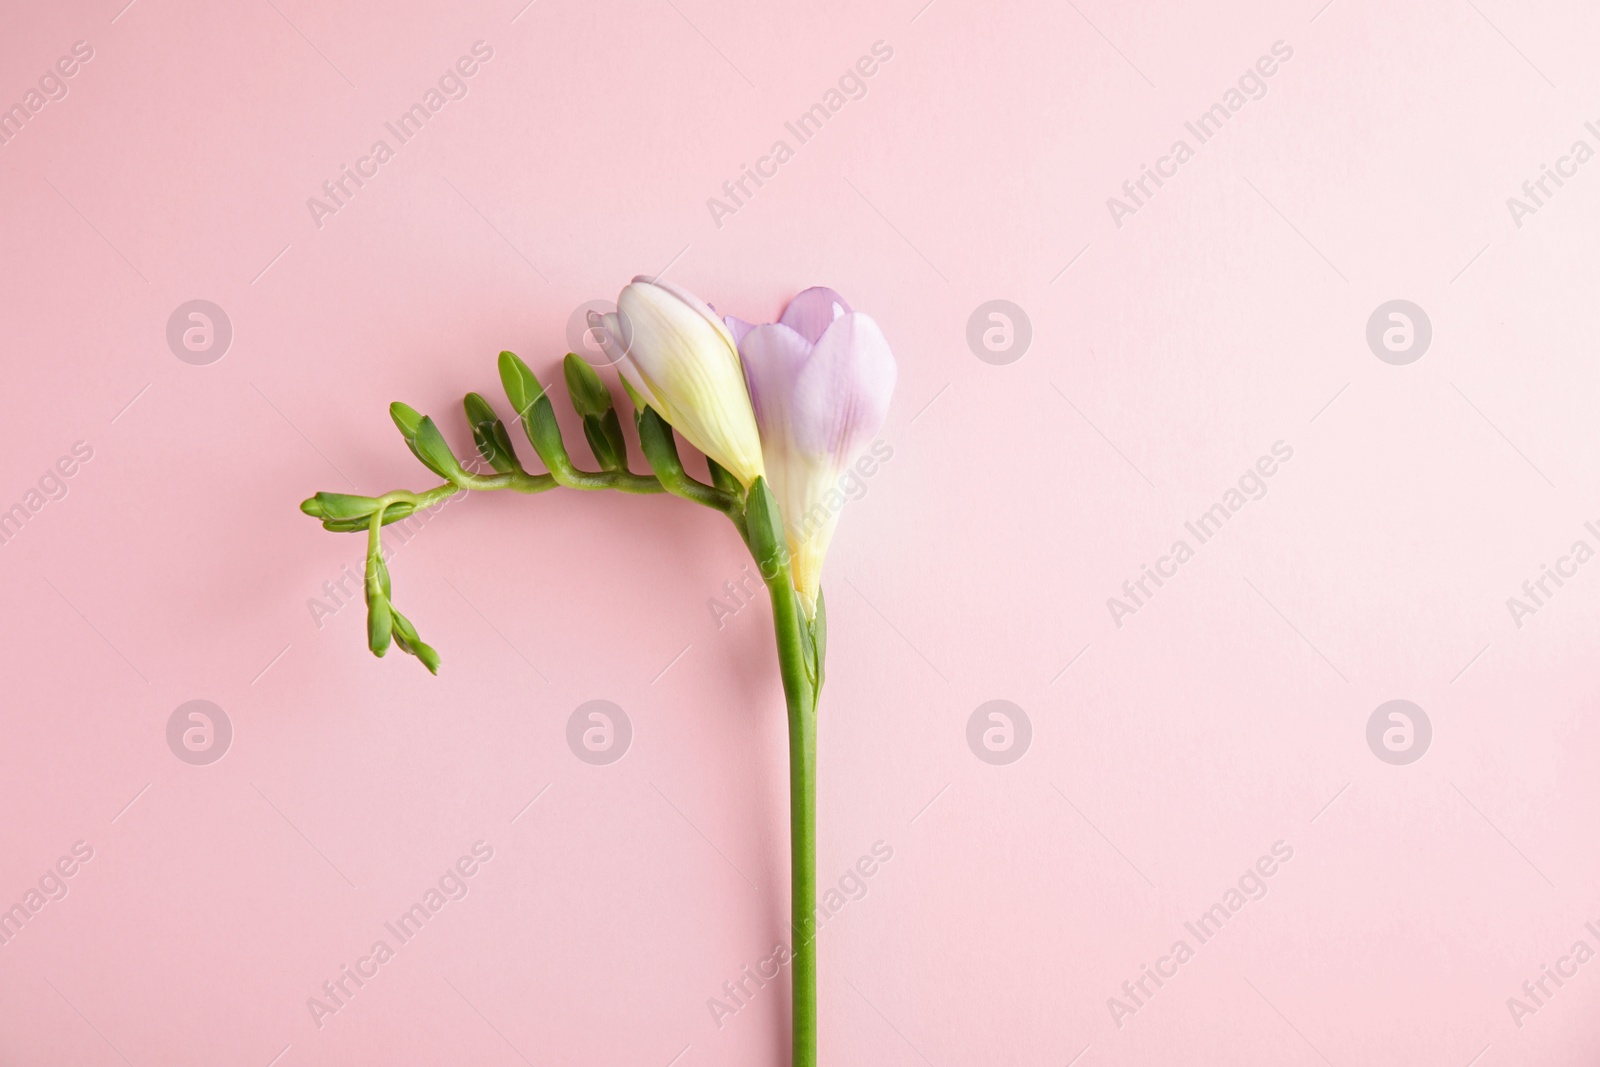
738, 327
774, 357
811, 313
840, 397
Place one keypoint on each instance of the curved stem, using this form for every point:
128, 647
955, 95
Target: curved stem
679, 483
625, 481
801, 697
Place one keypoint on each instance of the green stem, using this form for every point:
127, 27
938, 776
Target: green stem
801, 697
625, 481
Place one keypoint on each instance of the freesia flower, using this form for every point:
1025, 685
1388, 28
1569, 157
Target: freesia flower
785, 408
820, 381
682, 360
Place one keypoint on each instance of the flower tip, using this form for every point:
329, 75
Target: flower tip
813, 310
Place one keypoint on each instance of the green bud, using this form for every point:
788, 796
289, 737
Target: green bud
392, 514
590, 397
533, 407
521, 386
405, 635
765, 530
380, 626
426, 442
435, 453
592, 400
341, 506
545, 433
489, 434
408, 418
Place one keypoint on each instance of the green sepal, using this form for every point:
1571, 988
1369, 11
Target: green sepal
764, 530
660, 450
814, 636
819, 628
489, 434
604, 434
639, 402
380, 625
427, 443
611, 427
722, 479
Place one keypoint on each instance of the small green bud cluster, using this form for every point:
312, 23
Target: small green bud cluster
754, 512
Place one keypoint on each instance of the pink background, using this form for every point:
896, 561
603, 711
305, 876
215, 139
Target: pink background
1229, 713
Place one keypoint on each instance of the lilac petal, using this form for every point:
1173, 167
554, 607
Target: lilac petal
774, 357
840, 397
738, 327
810, 313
